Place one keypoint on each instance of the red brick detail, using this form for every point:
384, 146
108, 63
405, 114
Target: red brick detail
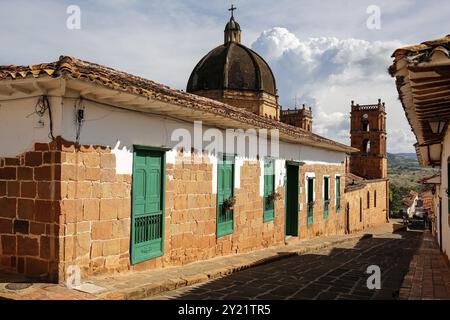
8, 173
28, 189
8, 244
33, 159
8, 207
3, 188
13, 189
5, 226
29, 210
24, 173
12, 162
27, 246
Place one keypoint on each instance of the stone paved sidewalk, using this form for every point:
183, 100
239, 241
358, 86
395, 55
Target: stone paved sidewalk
139, 285
429, 273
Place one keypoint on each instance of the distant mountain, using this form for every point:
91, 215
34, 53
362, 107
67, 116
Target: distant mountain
406, 155
406, 161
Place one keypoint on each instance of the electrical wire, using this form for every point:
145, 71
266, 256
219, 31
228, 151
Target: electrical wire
42, 105
79, 119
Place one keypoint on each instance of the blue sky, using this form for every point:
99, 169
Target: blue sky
321, 52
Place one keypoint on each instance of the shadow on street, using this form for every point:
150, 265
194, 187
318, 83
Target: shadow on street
332, 273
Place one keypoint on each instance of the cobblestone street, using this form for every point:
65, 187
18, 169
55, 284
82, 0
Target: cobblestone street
333, 273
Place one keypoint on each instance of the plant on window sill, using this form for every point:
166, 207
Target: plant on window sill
274, 196
228, 204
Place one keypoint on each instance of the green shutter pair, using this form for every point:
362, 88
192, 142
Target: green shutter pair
269, 189
225, 191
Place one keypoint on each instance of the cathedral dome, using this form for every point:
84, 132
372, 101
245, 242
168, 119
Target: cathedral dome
232, 66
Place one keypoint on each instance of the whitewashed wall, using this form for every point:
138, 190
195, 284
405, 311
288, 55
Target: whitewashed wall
121, 129
20, 127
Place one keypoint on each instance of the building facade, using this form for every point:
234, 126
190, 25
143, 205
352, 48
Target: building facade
108, 172
421, 74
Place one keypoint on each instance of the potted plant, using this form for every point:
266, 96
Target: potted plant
228, 204
274, 196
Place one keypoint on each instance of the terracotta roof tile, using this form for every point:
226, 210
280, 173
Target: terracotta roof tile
424, 46
78, 69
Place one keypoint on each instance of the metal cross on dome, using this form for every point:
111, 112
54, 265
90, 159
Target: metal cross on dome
232, 10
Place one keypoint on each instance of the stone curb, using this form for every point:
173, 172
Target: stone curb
153, 289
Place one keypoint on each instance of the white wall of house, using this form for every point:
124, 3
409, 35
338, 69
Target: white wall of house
21, 127
120, 129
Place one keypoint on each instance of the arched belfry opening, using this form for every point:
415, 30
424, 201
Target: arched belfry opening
366, 146
365, 125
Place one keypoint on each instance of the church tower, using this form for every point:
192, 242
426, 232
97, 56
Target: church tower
301, 118
368, 134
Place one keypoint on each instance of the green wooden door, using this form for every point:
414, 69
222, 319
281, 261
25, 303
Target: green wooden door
269, 188
292, 200
225, 190
310, 201
147, 228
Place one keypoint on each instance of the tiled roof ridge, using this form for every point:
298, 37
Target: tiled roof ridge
426, 45
80, 69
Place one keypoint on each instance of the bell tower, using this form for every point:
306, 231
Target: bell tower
368, 134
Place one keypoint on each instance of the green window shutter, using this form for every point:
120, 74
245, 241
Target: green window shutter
269, 188
147, 229
326, 196
338, 194
310, 203
225, 190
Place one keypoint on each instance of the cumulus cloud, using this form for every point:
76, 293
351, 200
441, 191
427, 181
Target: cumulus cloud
327, 73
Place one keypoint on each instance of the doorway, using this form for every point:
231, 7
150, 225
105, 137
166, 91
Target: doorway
147, 227
292, 194
347, 218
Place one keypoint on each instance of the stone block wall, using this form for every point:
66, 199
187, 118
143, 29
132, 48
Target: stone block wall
365, 216
63, 206
95, 211
190, 225
334, 224
96, 214
30, 211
